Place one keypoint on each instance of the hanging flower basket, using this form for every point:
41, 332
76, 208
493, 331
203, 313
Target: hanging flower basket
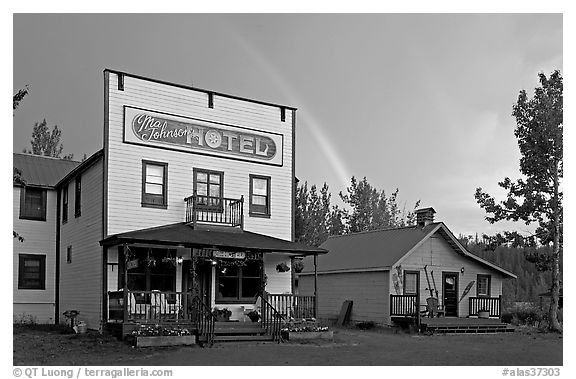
282, 267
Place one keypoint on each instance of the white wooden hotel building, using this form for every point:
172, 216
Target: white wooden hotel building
189, 206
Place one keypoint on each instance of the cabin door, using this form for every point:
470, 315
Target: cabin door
450, 292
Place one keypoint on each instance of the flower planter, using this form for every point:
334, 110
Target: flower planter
483, 314
308, 336
147, 341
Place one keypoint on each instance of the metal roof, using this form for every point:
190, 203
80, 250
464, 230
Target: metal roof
373, 249
38, 170
182, 234
385, 248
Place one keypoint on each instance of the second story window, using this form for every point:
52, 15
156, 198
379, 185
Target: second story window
33, 203
78, 196
154, 184
259, 195
65, 204
208, 187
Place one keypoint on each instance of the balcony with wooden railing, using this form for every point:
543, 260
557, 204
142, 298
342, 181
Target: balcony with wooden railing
215, 210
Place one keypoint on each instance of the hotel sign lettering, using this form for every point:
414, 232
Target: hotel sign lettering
199, 136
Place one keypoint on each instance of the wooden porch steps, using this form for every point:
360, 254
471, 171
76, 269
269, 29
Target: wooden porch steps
239, 331
468, 329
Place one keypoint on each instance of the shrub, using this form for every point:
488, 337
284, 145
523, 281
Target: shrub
365, 325
523, 315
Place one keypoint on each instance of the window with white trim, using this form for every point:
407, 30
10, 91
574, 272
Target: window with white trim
483, 285
154, 184
259, 195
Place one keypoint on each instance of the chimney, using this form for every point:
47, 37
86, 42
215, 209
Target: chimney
424, 216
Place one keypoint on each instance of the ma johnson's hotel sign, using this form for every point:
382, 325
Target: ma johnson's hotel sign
161, 130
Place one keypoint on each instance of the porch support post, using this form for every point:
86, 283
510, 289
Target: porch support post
125, 287
315, 285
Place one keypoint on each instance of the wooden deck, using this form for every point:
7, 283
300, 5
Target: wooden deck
459, 321
464, 325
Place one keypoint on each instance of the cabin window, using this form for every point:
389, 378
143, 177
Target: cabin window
154, 184
411, 282
259, 195
238, 283
208, 187
69, 254
65, 204
483, 285
78, 196
33, 203
32, 271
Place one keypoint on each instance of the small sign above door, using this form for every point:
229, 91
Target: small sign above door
228, 254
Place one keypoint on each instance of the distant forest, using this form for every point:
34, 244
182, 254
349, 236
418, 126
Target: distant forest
530, 282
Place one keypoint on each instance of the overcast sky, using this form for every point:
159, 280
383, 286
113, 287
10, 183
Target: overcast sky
419, 102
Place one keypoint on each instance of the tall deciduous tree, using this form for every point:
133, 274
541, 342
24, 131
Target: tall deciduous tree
46, 142
18, 96
17, 173
538, 197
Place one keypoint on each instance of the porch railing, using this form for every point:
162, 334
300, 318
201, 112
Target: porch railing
404, 305
492, 304
204, 319
147, 306
271, 320
297, 306
215, 210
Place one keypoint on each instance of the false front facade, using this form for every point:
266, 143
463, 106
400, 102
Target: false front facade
188, 208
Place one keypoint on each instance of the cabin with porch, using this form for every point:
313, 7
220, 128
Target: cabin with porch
188, 209
419, 274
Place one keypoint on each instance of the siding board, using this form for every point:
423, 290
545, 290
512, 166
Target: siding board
39, 238
368, 290
81, 280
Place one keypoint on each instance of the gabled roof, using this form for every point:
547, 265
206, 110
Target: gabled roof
81, 167
182, 234
385, 248
38, 170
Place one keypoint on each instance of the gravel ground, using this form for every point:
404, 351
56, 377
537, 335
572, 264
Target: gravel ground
37, 347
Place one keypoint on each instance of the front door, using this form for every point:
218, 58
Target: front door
450, 291
204, 279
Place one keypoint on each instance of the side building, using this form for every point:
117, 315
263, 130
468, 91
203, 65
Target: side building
394, 276
34, 219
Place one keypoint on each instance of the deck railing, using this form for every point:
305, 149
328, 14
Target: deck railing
204, 319
147, 306
271, 320
404, 305
215, 210
297, 306
492, 304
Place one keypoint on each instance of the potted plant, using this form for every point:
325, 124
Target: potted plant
483, 313
222, 314
253, 315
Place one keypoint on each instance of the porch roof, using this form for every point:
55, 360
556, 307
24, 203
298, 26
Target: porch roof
182, 234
